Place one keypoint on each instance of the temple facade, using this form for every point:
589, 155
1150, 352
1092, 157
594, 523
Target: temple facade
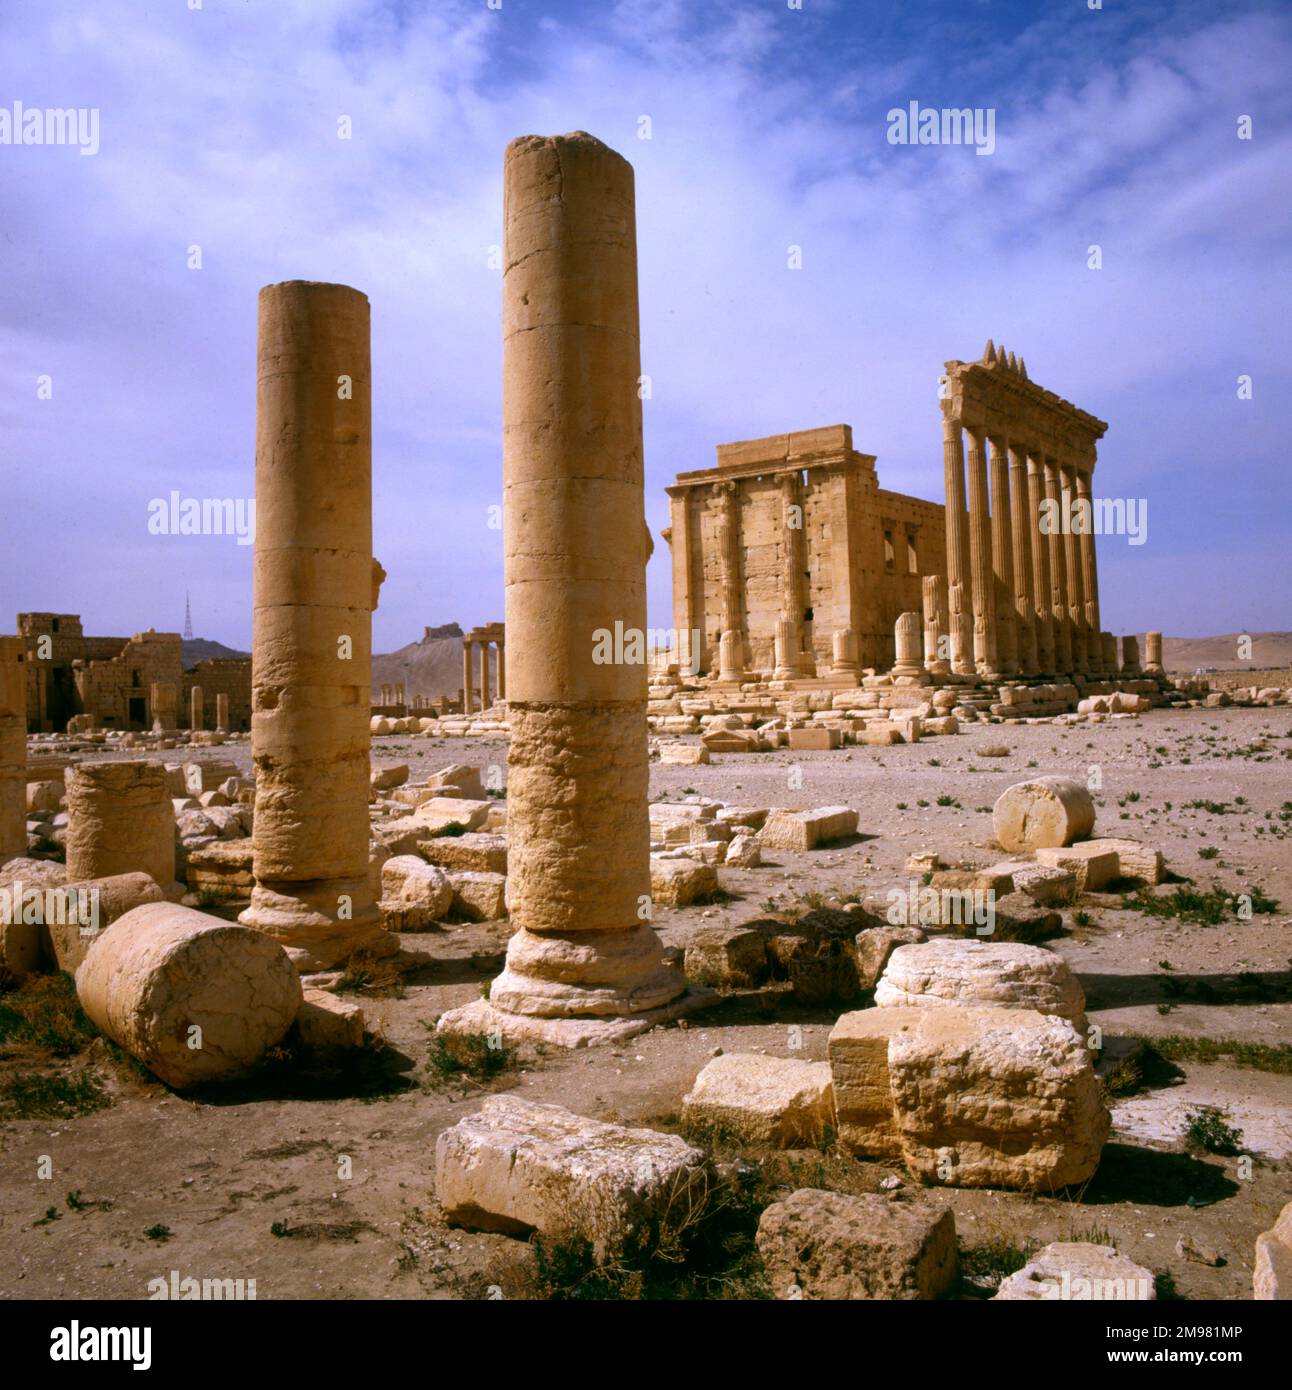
791, 562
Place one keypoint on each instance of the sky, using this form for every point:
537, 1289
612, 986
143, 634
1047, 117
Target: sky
128, 372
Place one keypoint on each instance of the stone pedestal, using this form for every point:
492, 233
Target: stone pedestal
584, 964
13, 748
315, 587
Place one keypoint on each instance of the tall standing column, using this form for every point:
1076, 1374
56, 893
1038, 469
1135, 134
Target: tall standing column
467, 677
501, 650
1076, 589
222, 712
315, 587
1002, 560
196, 709
1025, 615
13, 748
793, 604
1058, 571
583, 963
1045, 635
957, 525
731, 646
1090, 574
984, 593
934, 595
486, 699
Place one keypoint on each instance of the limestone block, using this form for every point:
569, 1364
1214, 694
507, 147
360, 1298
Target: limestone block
680, 882
706, 852
863, 1098
726, 957
1048, 886
215, 797
705, 832
874, 947
475, 850
1093, 867
164, 970
1044, 813
1272, 1267
1019, 917
519, 1167
819, 737
479, 895
382, 779
942, 724
805, 830
440, 811
879, 735
120, 821
221, 870
784, 1102
684, 754
34, 873
1003, 974
1079, 1272
826, 1245
1135, 860
992, 1097
408, 878
44, 796
995, 879
744, 852
206, 776
734, 741
462, 776
328, 1024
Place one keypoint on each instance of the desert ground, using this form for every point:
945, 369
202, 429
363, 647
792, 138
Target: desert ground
321, 1183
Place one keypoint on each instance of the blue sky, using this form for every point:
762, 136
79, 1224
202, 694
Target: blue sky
218, 128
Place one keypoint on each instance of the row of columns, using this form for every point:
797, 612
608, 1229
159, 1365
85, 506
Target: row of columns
390, 694
469, 643
1022, 602
197, 710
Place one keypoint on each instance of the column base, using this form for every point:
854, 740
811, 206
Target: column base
304, 919
483, 1016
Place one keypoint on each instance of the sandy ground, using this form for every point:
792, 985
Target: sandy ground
224, 1173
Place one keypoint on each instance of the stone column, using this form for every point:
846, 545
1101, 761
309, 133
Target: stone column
1002, 560
934, 588
1024, 612
908, 642
793, 604
1040, 547
731, 646
316, 585
1058, 572
984, 593
1076, 588
13, 748
467, 690
501, 672
196, 709
1109, 645
786, 642
843, 646
222, 713
486, 698
1153, 653
583, 964
120, 820
957, 526
1090, 574
165, 701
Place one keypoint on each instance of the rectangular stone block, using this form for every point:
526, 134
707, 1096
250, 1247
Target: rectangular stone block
1135, 860
863, 1101
684, 754
805, 830
818, 738
784, 1102
726, 958
879, 735
327, 1024
518, 1167
475, 850
679, 882
1093, 866
480, 896
440, 811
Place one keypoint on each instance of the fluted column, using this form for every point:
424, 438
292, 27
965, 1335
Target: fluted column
1090, 575
1024, 613
957, 528
1058, 571
1002, 560
731, 647
1040, 545
934, 587
792, 604
984, 593
467, 677
486, 699
1072, 540
500, 651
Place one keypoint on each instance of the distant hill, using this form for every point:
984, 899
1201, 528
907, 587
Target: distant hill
431, 667
1184, 655
195, 649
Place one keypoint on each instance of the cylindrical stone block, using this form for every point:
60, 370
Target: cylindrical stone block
13, 748
193, 998
120, 820
843, 647
1045, 813
1109, 643
785, 650
1130, 657
908, 640
222, 713
576, 546
314, 592
1153, 652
